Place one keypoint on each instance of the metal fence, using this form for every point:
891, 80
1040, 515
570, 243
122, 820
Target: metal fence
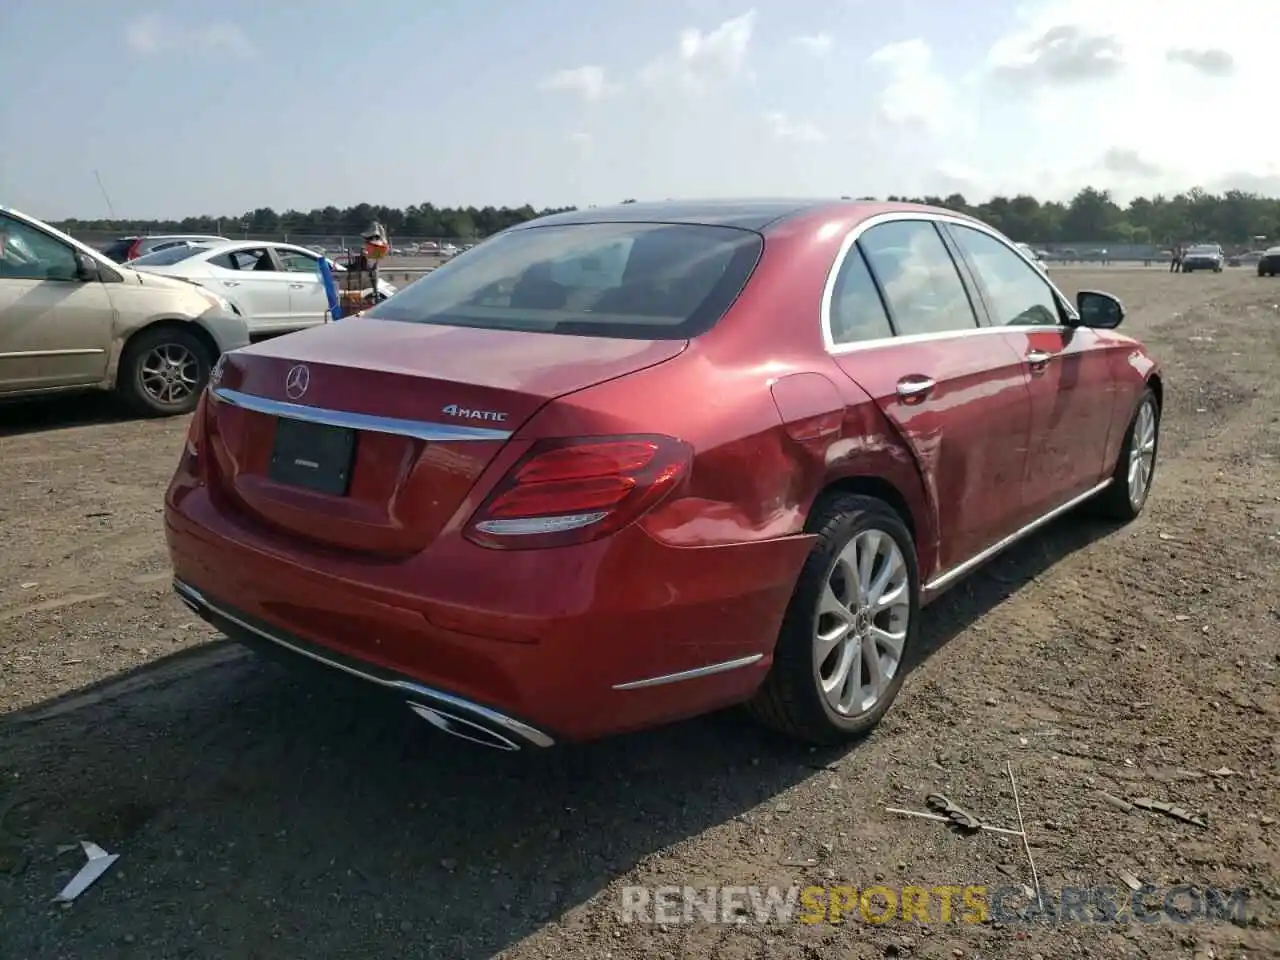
1081, 252
329, 243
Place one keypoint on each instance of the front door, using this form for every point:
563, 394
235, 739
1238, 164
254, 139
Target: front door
248, 276
1072, 389
952, 389
308, 303
55, 328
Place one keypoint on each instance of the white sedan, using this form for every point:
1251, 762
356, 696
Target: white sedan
275, 286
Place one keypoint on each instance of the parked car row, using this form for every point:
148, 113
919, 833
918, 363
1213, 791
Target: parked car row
124, 249
625, 465
1269, 263
275, 286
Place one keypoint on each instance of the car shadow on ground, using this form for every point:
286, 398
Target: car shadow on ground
257, 814
46, 414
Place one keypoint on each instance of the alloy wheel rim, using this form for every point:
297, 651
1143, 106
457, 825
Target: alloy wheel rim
861, 624
1142, 454
169, 373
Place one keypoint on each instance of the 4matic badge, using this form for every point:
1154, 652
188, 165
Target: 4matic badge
466, 413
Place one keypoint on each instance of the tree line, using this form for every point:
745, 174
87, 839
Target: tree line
1234, 218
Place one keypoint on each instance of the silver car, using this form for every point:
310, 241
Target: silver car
70, 319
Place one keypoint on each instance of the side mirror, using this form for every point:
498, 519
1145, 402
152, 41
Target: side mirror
1099, 310
86, 269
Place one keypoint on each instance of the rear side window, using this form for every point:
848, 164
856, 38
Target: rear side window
918, 277
643, 281
256, 259
857, 312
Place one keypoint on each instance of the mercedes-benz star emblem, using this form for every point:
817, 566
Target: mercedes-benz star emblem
296, 381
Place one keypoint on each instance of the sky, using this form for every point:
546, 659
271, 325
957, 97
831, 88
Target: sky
181, 109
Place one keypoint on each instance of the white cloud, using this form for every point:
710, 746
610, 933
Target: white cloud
154, 35
915, 94
818, 44
589, 82
704, 59
1159, 93
797, 131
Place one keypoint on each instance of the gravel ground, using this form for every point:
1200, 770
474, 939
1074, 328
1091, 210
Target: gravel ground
258, 814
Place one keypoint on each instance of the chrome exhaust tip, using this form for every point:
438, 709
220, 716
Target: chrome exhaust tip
462, 728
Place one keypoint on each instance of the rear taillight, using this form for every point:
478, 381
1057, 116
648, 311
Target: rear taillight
572, 491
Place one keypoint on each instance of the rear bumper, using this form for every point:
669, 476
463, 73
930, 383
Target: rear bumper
471, 721
570, 644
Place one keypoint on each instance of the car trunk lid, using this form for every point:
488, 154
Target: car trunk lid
367, 435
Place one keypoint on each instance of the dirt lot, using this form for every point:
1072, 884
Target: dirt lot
258, 816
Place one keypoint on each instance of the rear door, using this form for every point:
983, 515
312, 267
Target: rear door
1072, 389
308, 303
955, 393
250, 277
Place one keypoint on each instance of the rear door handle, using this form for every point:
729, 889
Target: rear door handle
915, 388
231, 283
296, 286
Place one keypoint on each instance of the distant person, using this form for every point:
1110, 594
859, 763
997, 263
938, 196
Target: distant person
1175, 261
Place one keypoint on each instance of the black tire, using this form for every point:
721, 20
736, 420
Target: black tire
1114, 503
132, 384
790, 700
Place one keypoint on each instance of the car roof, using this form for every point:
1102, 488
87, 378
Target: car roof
742, 213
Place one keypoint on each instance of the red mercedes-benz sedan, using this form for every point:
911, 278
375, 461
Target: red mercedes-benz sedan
616, 467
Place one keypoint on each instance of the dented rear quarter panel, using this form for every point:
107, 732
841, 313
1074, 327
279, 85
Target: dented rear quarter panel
772, 420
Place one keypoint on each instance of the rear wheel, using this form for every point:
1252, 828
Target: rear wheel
1135, 467
840, 657
163, 371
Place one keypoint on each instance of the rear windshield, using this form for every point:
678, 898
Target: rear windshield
168, 255
642, 281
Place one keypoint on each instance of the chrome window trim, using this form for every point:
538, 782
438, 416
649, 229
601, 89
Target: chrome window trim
416, 429
856, 232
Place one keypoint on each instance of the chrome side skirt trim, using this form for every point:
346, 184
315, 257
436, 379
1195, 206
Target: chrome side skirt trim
977, 560
34, 354
694, 674
460, 709
417, 429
